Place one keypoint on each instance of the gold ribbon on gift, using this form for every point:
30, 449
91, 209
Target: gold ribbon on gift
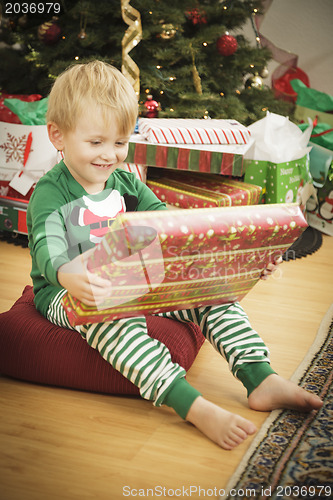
131, 38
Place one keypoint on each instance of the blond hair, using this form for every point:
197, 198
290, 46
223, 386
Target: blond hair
82, 86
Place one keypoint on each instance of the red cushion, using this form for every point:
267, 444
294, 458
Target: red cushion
35, 350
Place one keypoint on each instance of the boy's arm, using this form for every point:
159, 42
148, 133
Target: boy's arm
47, 242
147, 200
49, 251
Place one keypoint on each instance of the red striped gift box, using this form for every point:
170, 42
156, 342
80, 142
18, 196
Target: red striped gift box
187, 131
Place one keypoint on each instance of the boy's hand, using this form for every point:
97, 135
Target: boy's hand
87, 287
271, 268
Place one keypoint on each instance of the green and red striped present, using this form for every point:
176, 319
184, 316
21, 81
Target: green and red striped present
209, 158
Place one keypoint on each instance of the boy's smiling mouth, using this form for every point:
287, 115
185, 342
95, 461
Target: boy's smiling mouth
102, 166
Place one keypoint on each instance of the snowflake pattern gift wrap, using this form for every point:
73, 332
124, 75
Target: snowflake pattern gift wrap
168, 260
25, 155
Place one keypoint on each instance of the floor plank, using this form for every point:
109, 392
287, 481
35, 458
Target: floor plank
63, 444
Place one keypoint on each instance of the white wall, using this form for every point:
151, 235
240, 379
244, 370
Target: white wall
305, 28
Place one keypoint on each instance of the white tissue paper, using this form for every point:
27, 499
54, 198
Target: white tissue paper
278, 140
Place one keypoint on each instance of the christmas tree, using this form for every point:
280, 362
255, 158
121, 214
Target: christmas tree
190, 56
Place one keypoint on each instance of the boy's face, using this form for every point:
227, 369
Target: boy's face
93, 151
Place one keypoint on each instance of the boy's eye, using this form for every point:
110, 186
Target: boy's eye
95, 143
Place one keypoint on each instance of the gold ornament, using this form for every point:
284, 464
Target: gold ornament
254, 81
264, 73
168, 31
195, 74
131, 38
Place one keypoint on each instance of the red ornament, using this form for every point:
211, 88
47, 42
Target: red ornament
49, 32
152, 107
226, 45
197, 16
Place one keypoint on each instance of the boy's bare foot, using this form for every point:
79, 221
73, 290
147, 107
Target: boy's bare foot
224, 428
276, 392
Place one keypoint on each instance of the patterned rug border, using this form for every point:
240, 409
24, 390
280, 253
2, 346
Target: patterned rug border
322, 337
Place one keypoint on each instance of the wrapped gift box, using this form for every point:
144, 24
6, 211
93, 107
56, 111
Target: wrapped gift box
209, 158
168, 260
186, 131
190, 190
26, 154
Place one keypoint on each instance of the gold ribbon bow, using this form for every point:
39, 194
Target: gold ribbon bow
131, 38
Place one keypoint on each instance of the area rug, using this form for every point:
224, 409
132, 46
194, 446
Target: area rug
292, 454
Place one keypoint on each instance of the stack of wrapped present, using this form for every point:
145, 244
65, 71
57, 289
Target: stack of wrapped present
194, 163
209, 146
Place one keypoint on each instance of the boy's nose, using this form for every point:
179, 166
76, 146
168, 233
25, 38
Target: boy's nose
109, 155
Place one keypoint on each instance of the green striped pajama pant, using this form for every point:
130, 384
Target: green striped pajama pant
147, 363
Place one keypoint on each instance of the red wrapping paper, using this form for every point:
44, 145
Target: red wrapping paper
190, 190
169, 260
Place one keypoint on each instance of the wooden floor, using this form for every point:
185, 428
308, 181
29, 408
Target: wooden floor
58, 444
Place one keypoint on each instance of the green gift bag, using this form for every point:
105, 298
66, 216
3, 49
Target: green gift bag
281, 182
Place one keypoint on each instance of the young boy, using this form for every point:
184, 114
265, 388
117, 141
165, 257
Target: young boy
91, 114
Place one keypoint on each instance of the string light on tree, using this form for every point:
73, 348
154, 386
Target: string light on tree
264, 71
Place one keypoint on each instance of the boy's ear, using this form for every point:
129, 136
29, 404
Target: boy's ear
55, 135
